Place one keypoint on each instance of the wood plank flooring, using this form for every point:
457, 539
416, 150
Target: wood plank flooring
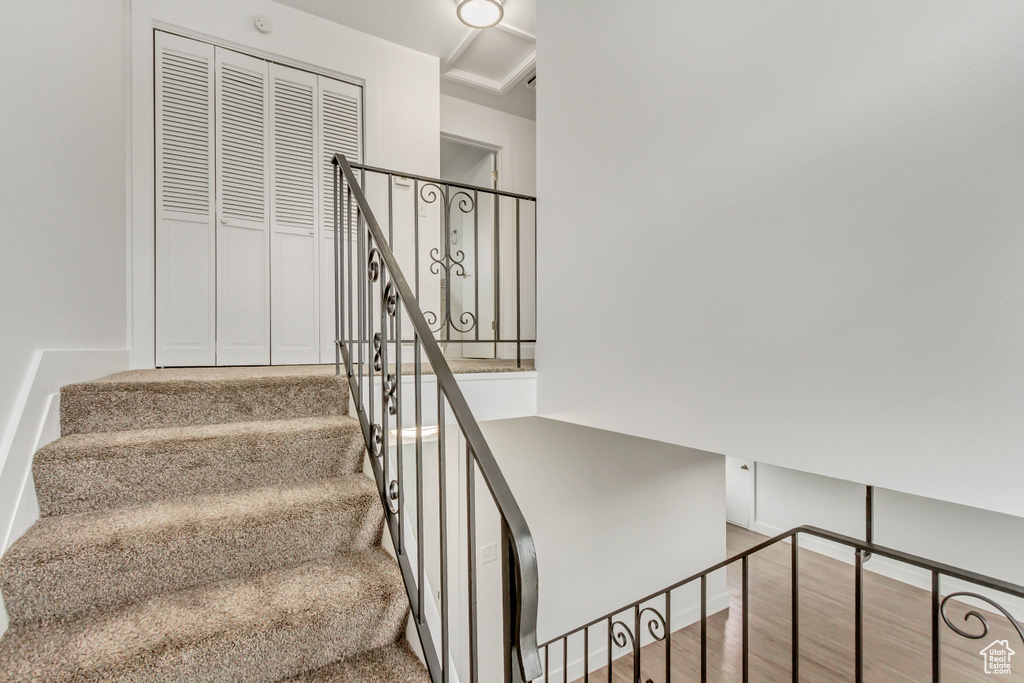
897, 629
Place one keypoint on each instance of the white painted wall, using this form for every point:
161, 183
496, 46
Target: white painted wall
600, 506
400, 97
62, 185
971, 538
515, 138
798, 223
36, 420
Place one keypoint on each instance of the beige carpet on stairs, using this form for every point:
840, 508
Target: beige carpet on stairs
206, 525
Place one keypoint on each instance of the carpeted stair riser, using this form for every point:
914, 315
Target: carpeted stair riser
68, 564
120, 405
259, 629
393, 664
107, 470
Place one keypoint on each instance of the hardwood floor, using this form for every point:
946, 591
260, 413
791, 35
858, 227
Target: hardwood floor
897, 629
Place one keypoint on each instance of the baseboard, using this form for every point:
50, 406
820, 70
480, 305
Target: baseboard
899, 571
35, 422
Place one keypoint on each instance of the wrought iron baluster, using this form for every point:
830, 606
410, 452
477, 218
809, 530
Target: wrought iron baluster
418, 389
399, 423
519, 293
336, 209
746, 619
586, 654
471, 561
858, 616
348, 246
795, 590
704, 628
609, 667
936, 660
476, 261
442, 477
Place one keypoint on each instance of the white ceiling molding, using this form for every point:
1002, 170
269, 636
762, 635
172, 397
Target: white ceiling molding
464, 73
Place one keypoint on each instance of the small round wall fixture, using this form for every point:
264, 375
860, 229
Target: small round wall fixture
263, 24
480, 13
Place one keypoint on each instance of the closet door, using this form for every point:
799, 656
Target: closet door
185, 208
294, 269
243, 194
340, 131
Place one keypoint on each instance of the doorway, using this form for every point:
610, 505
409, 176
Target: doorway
471, 288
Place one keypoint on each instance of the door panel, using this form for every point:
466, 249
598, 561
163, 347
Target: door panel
243, 231
185, 236
739, 491
295, 290
340, 115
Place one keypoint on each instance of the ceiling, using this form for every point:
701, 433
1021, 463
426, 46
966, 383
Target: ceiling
489, 67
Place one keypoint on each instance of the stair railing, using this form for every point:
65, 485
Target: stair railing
373, 302
621, 633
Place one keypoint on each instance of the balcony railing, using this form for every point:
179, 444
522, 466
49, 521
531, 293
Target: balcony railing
386, 346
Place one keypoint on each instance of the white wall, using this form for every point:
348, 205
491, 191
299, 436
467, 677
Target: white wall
798, 225
62, 187
600, 506
515, 138
400, 98
971, 538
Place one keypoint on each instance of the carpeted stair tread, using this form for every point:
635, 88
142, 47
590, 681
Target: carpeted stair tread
255, 629
393, 664
106, 470
70, 563
147, 399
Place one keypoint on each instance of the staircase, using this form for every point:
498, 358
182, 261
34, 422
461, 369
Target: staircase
206, 525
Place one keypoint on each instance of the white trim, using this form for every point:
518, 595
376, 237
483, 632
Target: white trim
35, 422
460, 49
256, 52
510, 80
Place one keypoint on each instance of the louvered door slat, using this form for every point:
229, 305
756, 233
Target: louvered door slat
185, 208
340, 132
294, 263
243, 199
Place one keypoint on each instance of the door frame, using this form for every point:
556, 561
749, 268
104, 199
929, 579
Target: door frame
495, 184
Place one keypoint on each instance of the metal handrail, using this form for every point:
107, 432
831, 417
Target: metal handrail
880, 550
863, 550
523, 619
438, 181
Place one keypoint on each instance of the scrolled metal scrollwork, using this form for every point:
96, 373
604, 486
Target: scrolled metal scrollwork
976, 615
655, 623
373, 265
393, 502
390, 298
623, 635
389, 385
378, 363
444, 259
376, 440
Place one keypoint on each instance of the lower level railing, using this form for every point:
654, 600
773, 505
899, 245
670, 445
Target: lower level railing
570, 657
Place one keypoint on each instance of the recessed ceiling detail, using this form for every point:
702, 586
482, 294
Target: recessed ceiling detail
487, 66
495, 59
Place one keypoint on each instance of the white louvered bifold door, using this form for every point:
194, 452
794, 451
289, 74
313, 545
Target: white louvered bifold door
243, 198
295, 290
185, 207
341, 128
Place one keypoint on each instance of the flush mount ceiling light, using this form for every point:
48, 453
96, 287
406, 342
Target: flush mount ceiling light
480, 13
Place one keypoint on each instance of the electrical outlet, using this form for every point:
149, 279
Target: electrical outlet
489, 553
